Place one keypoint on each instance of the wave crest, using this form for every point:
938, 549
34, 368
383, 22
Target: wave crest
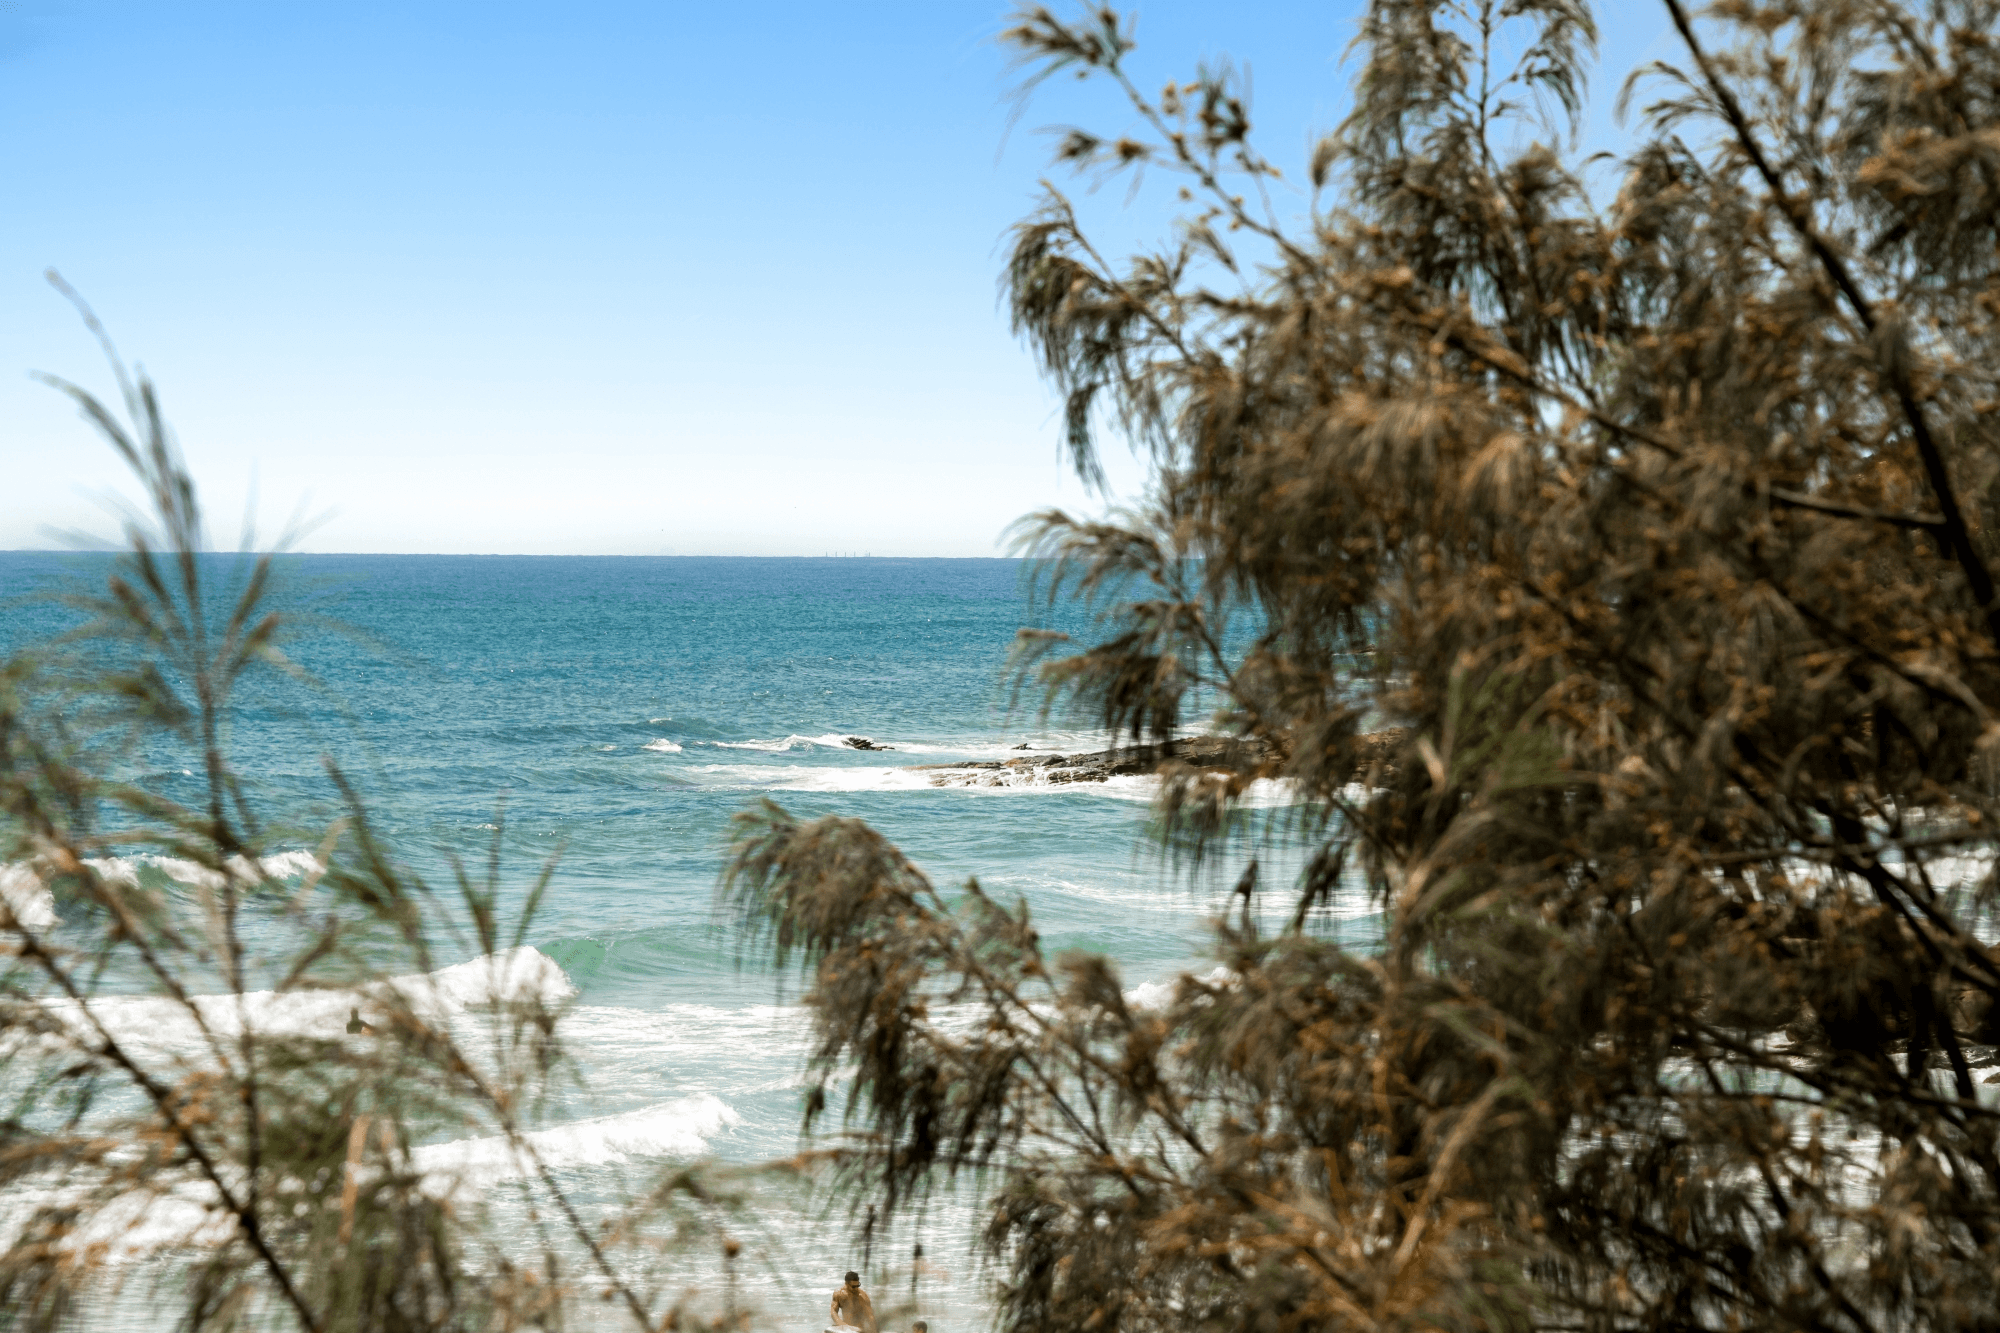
678, 1128
26, 895
1160, 994
162, 1024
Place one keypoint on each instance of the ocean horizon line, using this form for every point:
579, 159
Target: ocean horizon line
523, 555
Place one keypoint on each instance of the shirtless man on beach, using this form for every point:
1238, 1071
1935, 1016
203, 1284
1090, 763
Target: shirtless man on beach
852, 1308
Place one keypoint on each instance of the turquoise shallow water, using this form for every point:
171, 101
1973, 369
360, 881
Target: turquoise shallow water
624, 709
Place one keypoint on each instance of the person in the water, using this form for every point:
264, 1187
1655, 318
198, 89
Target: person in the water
355, 1027
852, 1308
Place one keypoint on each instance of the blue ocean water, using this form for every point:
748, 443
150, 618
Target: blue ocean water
620, 711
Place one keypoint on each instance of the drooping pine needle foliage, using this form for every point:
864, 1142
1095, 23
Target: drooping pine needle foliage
186, 1125
1617, 569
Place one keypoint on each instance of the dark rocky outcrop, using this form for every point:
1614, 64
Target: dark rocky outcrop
1194, 752
863, 743
1205, 752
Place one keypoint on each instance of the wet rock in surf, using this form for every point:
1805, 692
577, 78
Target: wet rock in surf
863, 743
1251, 756
1208, 752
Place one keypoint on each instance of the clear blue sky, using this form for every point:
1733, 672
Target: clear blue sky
592, 278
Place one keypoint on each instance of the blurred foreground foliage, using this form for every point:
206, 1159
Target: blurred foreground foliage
1605, 572
226, 1065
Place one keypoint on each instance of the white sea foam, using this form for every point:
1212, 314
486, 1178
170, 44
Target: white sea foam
679, 1128
510, 976
844, 740
1131, 893
829, 741
287, 865
25, 894
771, 777
663, 745
1950, 872
136, 1223
712, 1048
24, 898
158, 1023
986, 748
129, 1225
1263, 794
1959, 870
1160, 994
278, 865
971, 748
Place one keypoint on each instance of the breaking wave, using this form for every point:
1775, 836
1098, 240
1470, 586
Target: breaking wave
679, 1128
24, 898
160, 1023
1160, 994
829, 741
135, 1223
24, 893
771, 777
